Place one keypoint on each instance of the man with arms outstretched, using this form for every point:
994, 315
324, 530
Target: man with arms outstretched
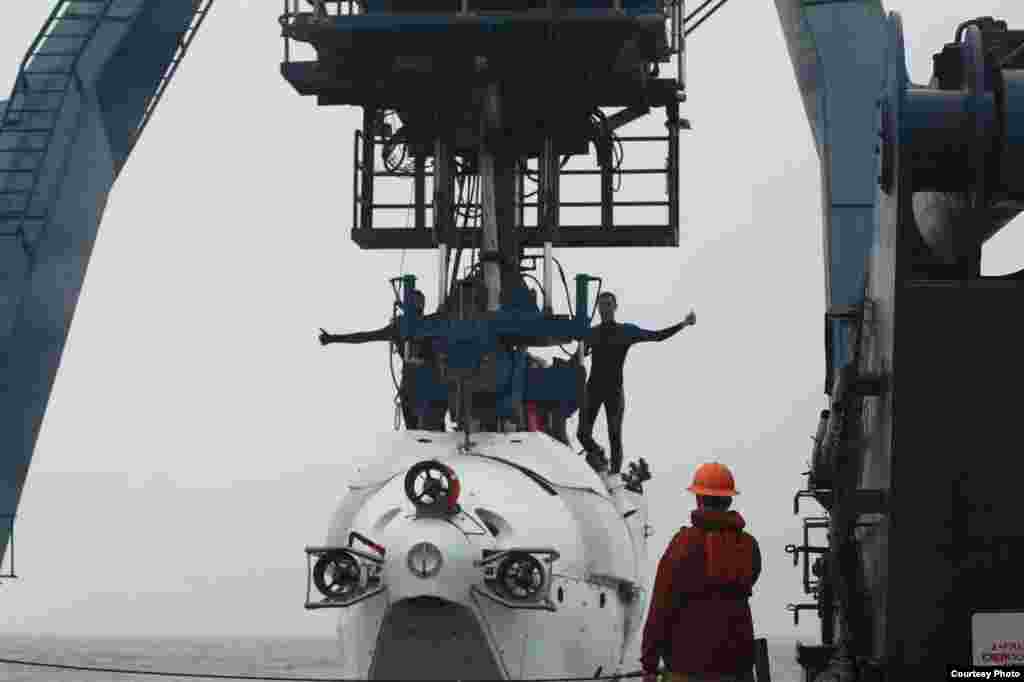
608, 344
420, 414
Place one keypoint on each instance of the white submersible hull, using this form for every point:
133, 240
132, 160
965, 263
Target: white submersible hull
507, 558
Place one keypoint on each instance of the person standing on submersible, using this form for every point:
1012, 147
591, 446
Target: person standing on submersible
699, 620
609, 342
417, 414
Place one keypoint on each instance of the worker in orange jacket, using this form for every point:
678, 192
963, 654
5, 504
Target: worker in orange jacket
699, 620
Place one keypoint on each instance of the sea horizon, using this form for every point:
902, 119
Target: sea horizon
281, 656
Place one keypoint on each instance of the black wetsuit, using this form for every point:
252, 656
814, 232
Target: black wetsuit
417, 414
608, 343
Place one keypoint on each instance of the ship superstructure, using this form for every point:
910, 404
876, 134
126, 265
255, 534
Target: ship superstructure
920, 547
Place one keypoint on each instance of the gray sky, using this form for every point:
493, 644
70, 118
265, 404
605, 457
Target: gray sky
197, 435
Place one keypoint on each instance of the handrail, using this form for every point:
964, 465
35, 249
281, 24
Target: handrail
31, 53
550, 554
379, 560
288, 16
179, 56
677, 27
367, 207
72, 76
677, 37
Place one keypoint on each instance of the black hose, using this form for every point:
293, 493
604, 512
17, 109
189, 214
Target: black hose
455, 269
391, 349
540, 286
565, 283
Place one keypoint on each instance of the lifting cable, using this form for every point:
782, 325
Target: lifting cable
687, 30
392, 347
223, 676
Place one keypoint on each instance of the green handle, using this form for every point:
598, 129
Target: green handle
408, 284
582, 296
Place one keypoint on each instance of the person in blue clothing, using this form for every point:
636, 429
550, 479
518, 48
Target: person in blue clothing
607, 345
418, 414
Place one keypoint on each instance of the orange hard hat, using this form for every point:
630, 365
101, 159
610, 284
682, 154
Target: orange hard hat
713, 479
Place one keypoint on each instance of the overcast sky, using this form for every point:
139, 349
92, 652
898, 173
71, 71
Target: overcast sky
197, 436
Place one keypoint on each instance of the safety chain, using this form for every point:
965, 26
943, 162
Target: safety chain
221, 676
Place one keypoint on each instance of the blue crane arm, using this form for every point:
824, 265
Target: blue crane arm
838, 55
87, 86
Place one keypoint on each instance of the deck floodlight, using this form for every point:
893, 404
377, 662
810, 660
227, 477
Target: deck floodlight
338, 575
521, 577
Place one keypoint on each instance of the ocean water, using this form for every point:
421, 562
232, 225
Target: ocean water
223, 656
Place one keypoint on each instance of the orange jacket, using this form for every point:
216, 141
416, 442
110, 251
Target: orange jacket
699, 619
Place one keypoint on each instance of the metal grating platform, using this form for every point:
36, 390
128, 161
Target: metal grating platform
418, 224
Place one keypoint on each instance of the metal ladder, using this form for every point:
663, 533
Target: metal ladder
202, 8
33, 110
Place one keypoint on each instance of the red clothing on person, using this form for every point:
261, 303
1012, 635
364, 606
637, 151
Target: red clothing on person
699, 619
